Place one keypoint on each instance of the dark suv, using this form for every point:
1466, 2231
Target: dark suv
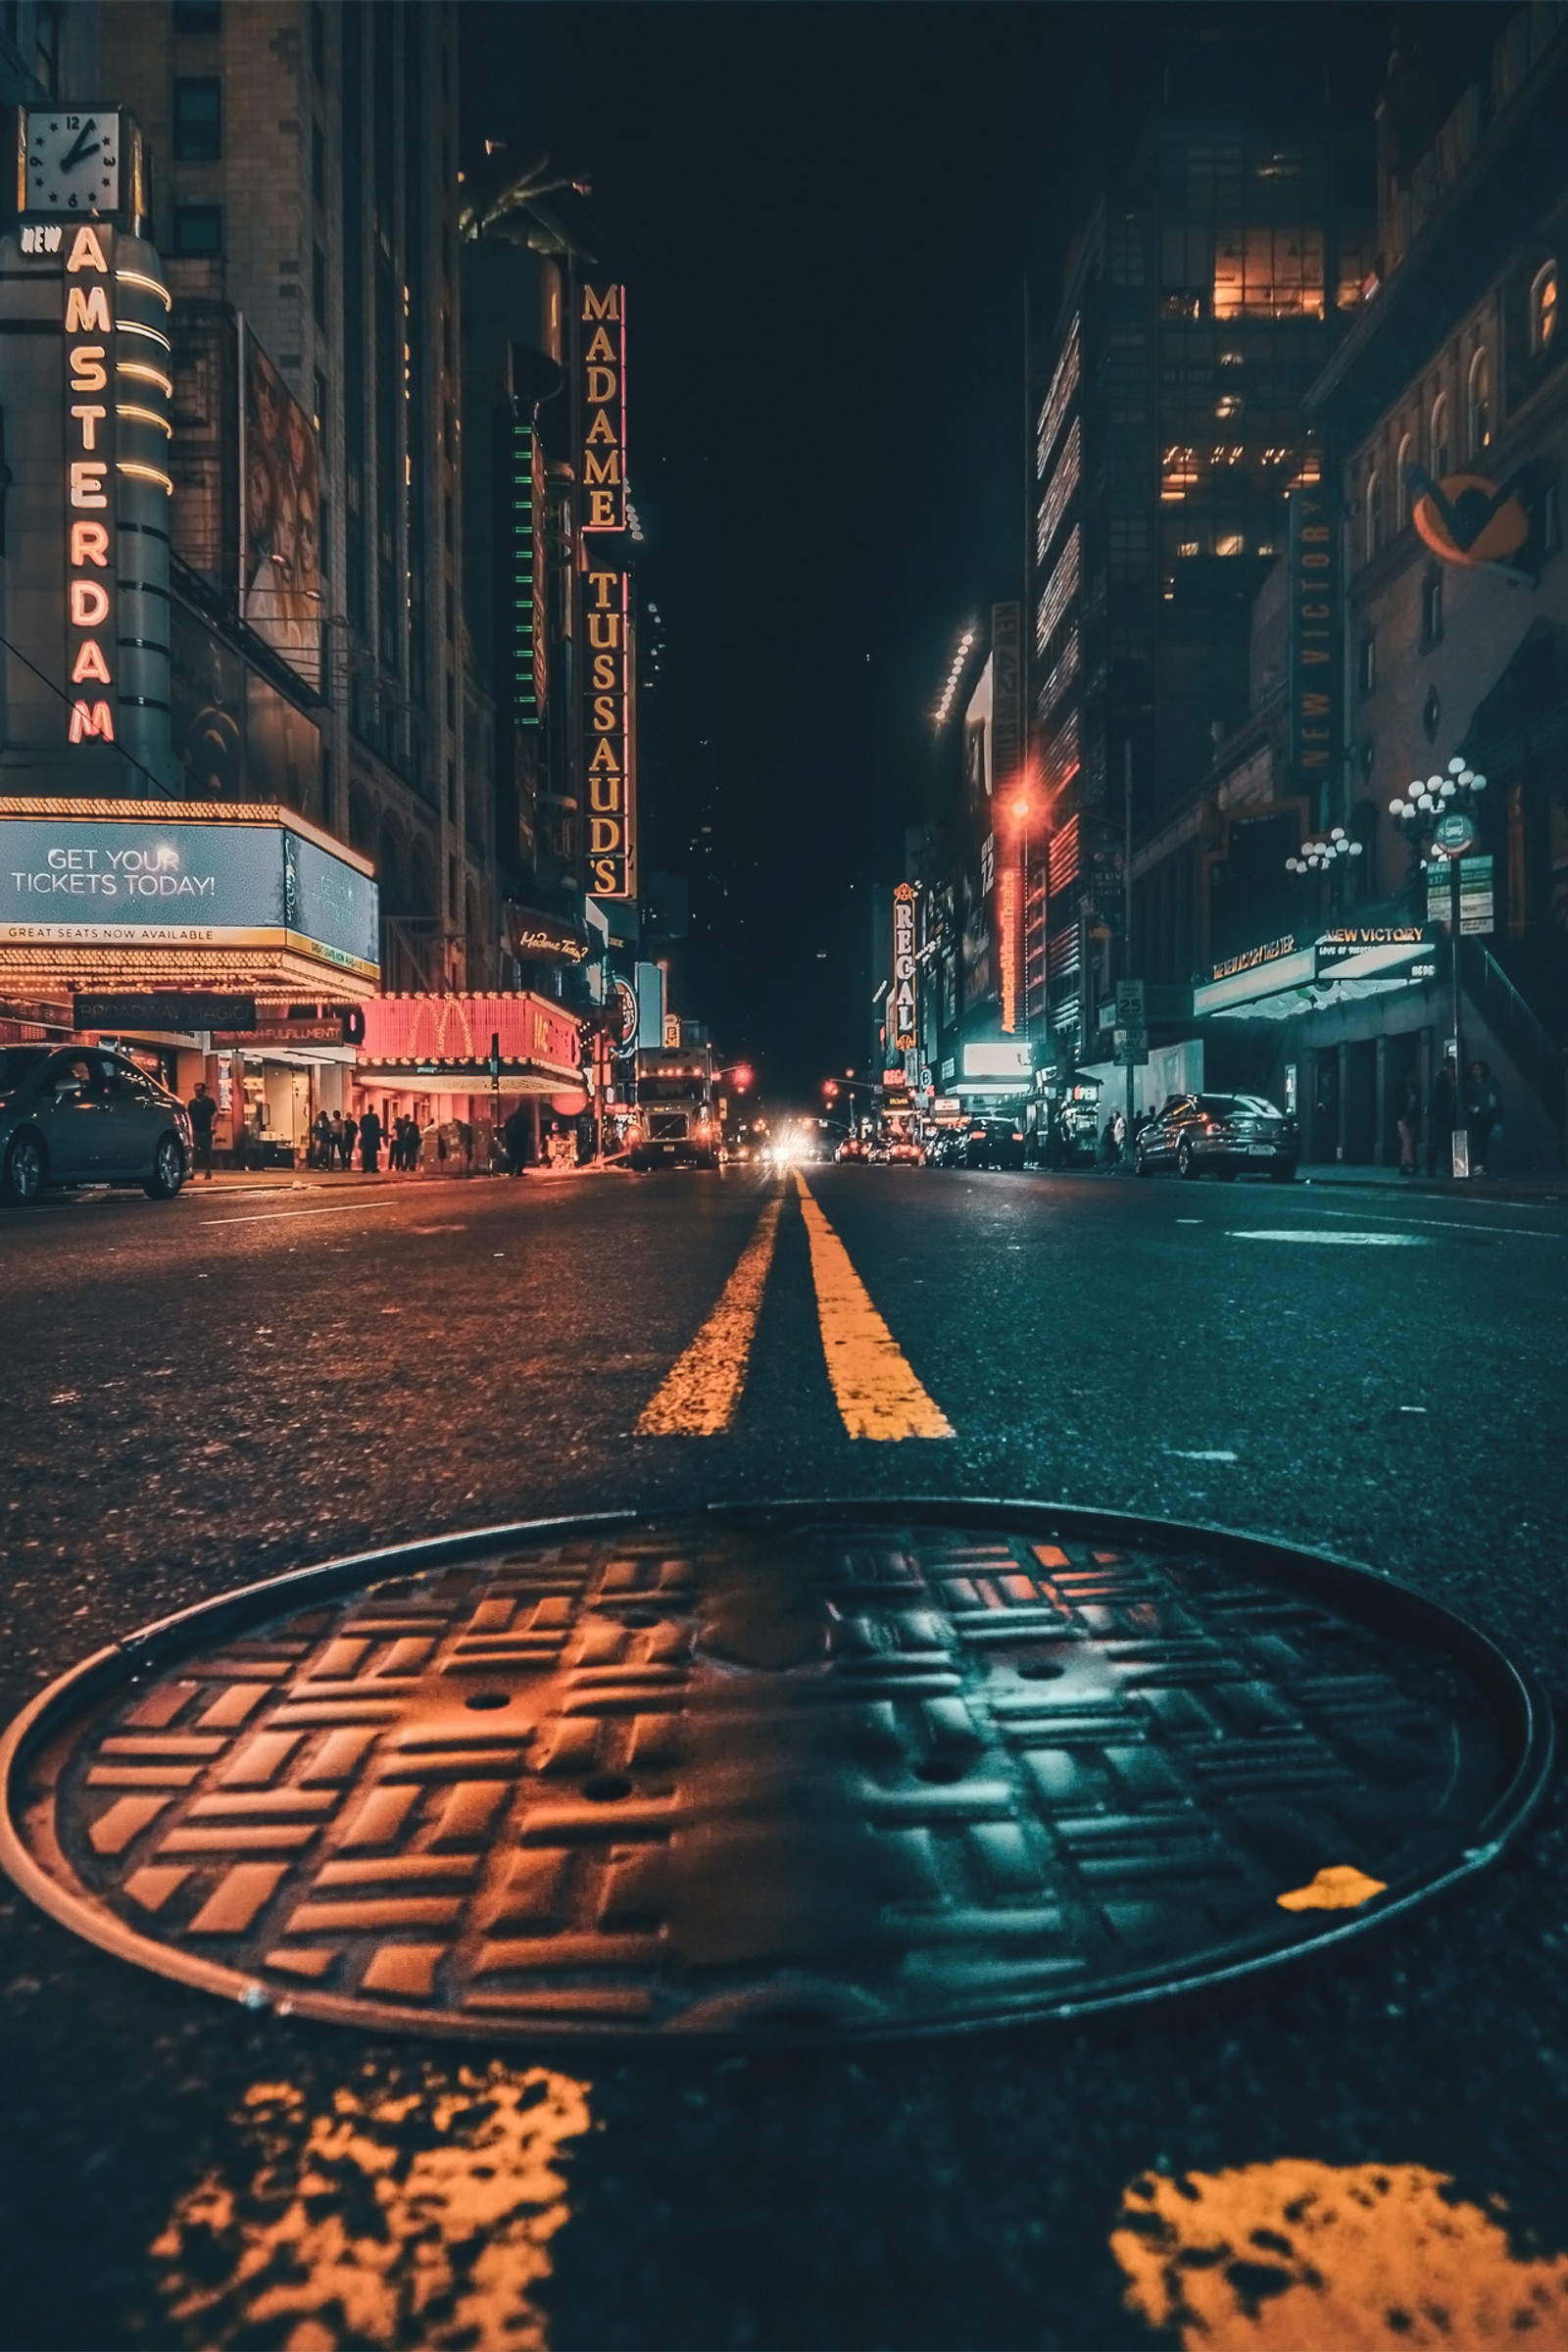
77, 1114
993, 1144
1220, 1134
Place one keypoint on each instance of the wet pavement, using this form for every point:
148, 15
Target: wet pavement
1366, 2149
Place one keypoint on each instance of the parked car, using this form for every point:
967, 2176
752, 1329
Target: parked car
946, 1148
77, 1114
993, 1144
853, 1149
1220, 1134
905, 1152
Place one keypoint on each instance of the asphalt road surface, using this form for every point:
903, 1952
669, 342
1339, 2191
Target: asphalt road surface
200, 1395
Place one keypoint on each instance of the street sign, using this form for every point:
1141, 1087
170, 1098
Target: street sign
1131, 1047
1129, 1005
1477, 901
1453, 834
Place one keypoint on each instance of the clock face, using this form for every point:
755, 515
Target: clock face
72, 161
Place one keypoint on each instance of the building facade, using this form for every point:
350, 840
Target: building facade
306, 198
1208, 286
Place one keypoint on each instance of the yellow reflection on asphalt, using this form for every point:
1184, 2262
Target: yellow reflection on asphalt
698, 1394
875, 1390
384, 2215
1304, 2257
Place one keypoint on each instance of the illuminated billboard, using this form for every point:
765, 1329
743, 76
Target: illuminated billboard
280, 586
1004, 1059
165, 876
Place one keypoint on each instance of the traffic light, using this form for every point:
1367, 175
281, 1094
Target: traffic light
743, 1076
830, 1088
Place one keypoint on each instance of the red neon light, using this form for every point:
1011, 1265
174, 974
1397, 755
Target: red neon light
1008, 918
458, 1029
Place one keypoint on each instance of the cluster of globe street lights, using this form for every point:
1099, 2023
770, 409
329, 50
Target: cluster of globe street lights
1432, 798
1321, 856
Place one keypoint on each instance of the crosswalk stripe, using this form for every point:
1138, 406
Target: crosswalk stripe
698, 1394
877, 1393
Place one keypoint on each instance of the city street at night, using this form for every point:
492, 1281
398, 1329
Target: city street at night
297, 1373
783, 1176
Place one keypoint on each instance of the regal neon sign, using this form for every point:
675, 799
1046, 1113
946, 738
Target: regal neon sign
903, 999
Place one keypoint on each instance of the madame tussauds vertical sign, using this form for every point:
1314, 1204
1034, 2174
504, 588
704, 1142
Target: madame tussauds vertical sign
90, 567
603, 343
611, 862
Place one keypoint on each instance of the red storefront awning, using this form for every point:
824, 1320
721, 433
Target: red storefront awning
446, 1041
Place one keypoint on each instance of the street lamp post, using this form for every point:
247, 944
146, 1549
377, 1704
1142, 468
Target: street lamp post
1438, 815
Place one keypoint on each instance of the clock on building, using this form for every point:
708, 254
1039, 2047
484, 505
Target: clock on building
74, 160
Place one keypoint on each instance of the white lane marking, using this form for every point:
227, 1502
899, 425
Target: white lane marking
1189, 1220
1183, 1453
269, 1216
1536, 1233
1342, 1241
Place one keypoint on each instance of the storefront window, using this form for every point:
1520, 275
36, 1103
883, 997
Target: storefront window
1479, 419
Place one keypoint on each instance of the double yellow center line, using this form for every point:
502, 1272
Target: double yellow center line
875, 1390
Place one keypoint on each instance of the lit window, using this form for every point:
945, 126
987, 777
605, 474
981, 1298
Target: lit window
1437, 437
1178, 473
1230, 543
1188, 547
1374, 514
1230, 359
1367, 663
1229, 404
1543, 309
1229, 452
1268, 273
1479, 414
1402, 482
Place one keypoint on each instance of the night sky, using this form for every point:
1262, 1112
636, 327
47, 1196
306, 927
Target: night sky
825, 215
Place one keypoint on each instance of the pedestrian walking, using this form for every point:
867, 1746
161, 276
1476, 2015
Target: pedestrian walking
1409, 1126
371, 1132
203, 1111
1441, 1119
1483, 1115
515, 1138
1109, 1152
466, 1142
323, 1154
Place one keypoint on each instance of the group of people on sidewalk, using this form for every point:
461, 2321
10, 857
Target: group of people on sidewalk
337, 1136
1477, 1108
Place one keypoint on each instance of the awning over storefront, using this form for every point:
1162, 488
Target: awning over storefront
442, 1044
1290, 975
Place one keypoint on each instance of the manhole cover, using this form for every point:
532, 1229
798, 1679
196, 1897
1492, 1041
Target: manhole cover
795, 1768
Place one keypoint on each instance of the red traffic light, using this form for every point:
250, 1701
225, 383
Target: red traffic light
743, 1076
830, 1087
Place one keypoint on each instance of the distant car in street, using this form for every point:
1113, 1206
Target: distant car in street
78, 1114
877, 1155
905, 1152
1220, 1134
853, 1151
993, 1144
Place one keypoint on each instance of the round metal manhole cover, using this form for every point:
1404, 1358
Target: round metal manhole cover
799, 1769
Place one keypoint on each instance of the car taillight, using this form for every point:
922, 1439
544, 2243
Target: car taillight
1018, 1136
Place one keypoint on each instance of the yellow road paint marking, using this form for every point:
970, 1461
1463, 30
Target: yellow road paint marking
418, 2212
876, 1392
697, 1396
1339, 1887
1361, 2257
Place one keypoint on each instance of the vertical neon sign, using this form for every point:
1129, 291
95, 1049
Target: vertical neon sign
89, 506
604, 395
612, 869
905, 1039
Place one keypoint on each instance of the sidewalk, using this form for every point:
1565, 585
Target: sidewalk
331, 1180
1474, 1188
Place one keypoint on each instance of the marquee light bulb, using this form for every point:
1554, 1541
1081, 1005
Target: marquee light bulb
1456, 766
1356, 848
1397, 807
1478, 783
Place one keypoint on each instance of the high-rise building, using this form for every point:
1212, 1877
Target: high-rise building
305, 201
1205, 292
